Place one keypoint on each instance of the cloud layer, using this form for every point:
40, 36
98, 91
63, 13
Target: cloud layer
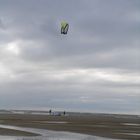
94, 68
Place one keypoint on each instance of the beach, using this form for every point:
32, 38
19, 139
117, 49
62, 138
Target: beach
104, 125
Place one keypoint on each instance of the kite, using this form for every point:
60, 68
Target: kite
64, 27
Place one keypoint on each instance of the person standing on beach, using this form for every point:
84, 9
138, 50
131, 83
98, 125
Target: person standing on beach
50, 111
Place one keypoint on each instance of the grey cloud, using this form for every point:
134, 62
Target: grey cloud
1, 25
39, 67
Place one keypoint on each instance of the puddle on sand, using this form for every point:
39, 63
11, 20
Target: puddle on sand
48, 135
131, 124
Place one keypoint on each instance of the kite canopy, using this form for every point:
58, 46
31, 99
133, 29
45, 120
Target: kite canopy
64, 27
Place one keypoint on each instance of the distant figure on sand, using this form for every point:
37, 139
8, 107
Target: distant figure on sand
50, 111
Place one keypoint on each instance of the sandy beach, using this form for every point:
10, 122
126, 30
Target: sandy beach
104, 125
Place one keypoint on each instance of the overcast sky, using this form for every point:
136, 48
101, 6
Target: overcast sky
94, 68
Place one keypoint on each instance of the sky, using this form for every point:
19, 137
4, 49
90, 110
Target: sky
94, 68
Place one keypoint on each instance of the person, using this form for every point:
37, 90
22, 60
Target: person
50, 111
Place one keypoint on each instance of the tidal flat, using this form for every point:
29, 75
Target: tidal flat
105, 126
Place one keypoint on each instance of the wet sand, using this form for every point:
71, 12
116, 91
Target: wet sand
11, 132
48, 135
104, 125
